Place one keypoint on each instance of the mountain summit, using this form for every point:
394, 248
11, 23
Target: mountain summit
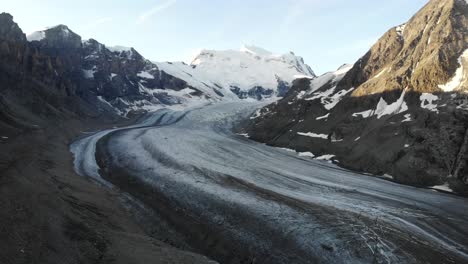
250, 72
426, 54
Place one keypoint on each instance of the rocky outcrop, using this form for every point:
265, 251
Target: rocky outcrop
401, 110
9, 30
30, 86
61, 37
124, 79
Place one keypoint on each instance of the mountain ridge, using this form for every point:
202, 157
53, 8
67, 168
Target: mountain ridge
218, 75
386, 116
420, 55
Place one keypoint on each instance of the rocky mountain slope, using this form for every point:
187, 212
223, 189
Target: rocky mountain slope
122, 80
48, 213
55, 73
400, 111
117, 79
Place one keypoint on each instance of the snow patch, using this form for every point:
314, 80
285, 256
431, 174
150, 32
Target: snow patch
302, 76
387, 176
323, 117
89, 74
36, 36
330, 99
459, 78
397, 107
145, 74
288, 149
119, 49
301, 95
306, 154
313, 135
407, 118
383, 108
380, 73
257, 114
333, 100
427, 101
246, 135
326, 157
364, 114
401, 29
444, 187
329, 77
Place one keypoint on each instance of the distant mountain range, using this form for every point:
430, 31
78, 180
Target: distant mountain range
69, 75
400, 111
124, 79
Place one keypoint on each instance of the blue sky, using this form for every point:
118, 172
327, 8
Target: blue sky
327, 33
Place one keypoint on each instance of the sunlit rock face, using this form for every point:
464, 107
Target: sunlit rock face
400, 110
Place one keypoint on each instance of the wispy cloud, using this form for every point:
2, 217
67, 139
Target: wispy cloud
156, 9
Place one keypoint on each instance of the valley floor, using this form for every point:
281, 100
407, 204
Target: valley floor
209, 190
49, 214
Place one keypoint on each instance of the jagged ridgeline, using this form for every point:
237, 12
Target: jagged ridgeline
401, 110
54, 72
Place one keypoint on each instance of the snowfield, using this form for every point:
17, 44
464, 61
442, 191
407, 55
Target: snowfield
283, 206
242, 69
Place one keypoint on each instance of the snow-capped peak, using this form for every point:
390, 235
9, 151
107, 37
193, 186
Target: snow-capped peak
41, 34
248, 72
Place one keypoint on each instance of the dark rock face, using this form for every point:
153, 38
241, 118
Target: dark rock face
59, 75
123, 77
373, 124
35, 84
283, 87
114, 74
9, 30
256, 92
12, 46
61, 37
111, 74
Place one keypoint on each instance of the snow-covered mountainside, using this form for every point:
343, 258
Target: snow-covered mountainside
113, 79
400, 110
250, 72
